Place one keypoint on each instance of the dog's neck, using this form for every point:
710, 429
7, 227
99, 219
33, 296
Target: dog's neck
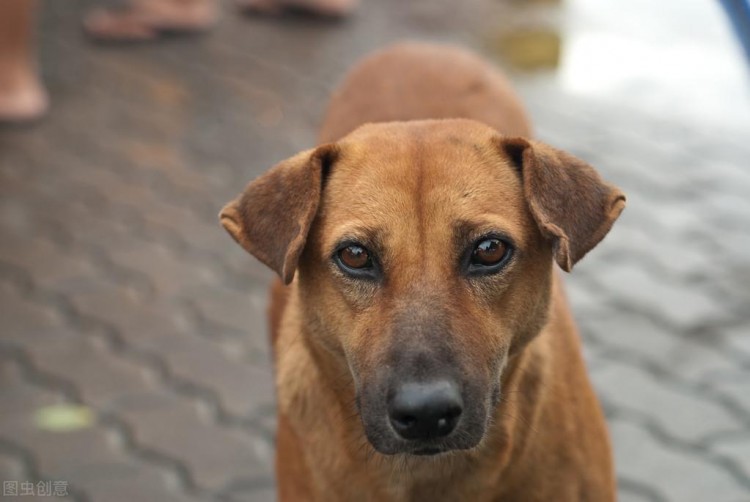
317, 395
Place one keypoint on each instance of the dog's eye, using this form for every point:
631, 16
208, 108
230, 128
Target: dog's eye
355, 257
489, 253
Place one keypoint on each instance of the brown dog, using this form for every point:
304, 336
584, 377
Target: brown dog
425, 350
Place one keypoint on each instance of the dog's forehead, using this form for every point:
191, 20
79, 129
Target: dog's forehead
450, 155
436, 171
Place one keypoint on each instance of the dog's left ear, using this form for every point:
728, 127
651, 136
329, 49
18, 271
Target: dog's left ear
272, 217
570, 202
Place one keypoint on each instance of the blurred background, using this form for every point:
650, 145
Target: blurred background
134, 363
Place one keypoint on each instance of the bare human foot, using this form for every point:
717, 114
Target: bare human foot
143, 20
325, 8
22, 97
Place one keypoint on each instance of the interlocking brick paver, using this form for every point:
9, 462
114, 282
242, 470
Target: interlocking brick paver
241, 312
241, 387
682, 414
130, 484
26, 321
19, 398
93, 454
170, 275
630, 495
683, 356
738, 338
734, 384
239, 272
101, 376
177, 428
11, 467
681, 306
126, 310
34, 498
722, 176
92, 460
735, 276
250, 495
736, 447
191, 358
51, 267
584, 296
641, 457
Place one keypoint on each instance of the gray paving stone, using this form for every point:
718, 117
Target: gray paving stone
169, 274
584, 298
93, 459
133, 481
51, 268
33, 498
93, 454
682, 356
726, 208
19, 398
642, 457
240, 386
735, 384
683, 415
737, 448
721, 177
137, 321
683, 307
11, 467
176, 428
100, 376
256, 495
84, 228
624, 495
41, 335
243, 313
22, 316
738, 338
240, 270
736, 276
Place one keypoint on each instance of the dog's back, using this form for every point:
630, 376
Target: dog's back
413, 81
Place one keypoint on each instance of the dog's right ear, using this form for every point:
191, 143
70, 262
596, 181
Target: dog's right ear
272, 217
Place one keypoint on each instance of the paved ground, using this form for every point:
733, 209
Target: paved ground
119, 291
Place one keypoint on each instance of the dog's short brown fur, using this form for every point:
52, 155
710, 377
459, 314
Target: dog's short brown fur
443, 163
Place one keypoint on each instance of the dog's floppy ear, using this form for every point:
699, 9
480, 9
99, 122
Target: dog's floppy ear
272, 217
570, 202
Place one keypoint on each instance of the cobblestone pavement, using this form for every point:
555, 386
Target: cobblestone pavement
119, 291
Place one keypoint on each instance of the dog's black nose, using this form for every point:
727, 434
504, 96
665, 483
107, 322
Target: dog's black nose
425, 410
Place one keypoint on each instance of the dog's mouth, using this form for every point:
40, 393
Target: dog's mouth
389, 443
428, 451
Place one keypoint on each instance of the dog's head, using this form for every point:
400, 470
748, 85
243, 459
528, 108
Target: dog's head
425, 253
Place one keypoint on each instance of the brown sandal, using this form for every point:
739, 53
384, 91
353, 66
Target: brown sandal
323, 8
146, 20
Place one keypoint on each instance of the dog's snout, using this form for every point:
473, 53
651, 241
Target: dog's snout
419, 411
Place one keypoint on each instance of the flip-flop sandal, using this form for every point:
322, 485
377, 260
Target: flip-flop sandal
132, 25
274, 7
264, 7
8, 124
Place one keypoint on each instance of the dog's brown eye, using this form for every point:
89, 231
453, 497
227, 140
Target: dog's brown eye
489, 252
355, 257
